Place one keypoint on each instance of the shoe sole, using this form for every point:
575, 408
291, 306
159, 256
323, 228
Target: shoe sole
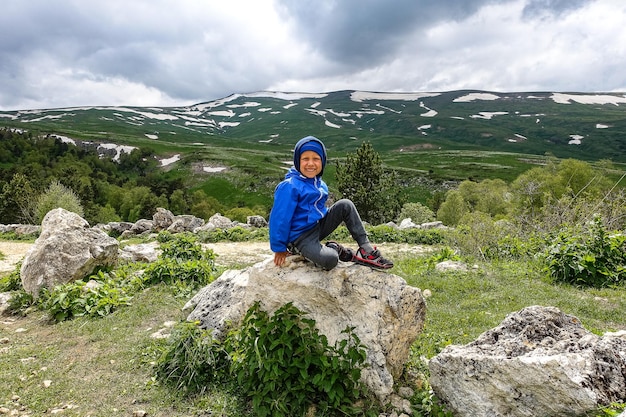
371, 264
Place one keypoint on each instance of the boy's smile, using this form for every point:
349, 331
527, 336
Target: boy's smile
310, 164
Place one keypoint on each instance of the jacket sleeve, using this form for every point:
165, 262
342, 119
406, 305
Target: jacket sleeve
285, 203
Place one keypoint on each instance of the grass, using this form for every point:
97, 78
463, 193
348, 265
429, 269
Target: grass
465, 304
102, 367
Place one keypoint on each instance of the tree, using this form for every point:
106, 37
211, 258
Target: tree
57, 195
373, 191
417, 212
16, 199
453, 209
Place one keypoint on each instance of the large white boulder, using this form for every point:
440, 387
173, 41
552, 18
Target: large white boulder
386, 313
537, 362
66, 250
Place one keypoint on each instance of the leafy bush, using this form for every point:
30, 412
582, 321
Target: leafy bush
169, 271
183, 246
11, 282
592, 257
280, 362
240, 214
76, 299
285, 365
182, 259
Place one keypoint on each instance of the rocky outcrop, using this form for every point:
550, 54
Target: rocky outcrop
537, 362
387, 314
66, 250
20, 229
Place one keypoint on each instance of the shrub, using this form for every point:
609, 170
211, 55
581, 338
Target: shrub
182, 259
57, 195
592, 257
192, 359
280, 362
169, 271
239, 214
285, 365
76, 299
417, 212
11, 282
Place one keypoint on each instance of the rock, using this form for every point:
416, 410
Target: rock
162, 219
537, 362
5, 297
185, 223
432, 225
407, 224
141, 226
256, 221
143, 252
20, 229
451, 266
67, 249
217, 221
387, 314
117, 228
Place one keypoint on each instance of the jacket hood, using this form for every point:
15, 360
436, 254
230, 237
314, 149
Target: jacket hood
309, 143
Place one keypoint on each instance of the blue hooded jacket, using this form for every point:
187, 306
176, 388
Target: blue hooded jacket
299, 202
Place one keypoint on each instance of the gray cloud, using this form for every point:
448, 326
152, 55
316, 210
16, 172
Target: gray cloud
165, 52
366, 32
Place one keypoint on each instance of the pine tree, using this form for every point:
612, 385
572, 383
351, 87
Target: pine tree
373, 190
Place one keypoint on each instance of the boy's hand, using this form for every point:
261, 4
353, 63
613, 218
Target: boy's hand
279, 258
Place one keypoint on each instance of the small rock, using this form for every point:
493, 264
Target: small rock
47, 383
140, 413
406, 392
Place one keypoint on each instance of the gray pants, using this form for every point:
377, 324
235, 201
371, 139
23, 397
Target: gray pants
309, 245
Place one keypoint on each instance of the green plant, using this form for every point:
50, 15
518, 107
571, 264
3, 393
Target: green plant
417, 212
284, 364
182, 259
101, 297
183, 246
57, 195
11, 282
170, 271
192, 359
591, 257
372, 188
20, 301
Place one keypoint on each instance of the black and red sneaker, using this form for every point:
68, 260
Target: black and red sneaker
373, 259
345, 254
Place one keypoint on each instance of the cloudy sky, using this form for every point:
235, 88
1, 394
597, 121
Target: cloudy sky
66, 53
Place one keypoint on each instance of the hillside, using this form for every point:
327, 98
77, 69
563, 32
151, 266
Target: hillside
237, 148
576, 125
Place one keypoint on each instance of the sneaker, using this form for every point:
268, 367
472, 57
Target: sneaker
345, 254
373, 259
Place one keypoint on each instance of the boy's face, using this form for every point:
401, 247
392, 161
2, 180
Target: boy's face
310, 164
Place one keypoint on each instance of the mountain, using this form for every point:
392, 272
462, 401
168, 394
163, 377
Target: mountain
567, 125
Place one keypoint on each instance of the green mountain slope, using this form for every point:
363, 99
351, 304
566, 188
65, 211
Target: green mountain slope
582, 126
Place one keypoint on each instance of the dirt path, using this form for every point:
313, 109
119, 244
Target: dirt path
13, 253
228, 253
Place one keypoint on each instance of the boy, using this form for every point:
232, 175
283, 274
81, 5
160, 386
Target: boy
300, 220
